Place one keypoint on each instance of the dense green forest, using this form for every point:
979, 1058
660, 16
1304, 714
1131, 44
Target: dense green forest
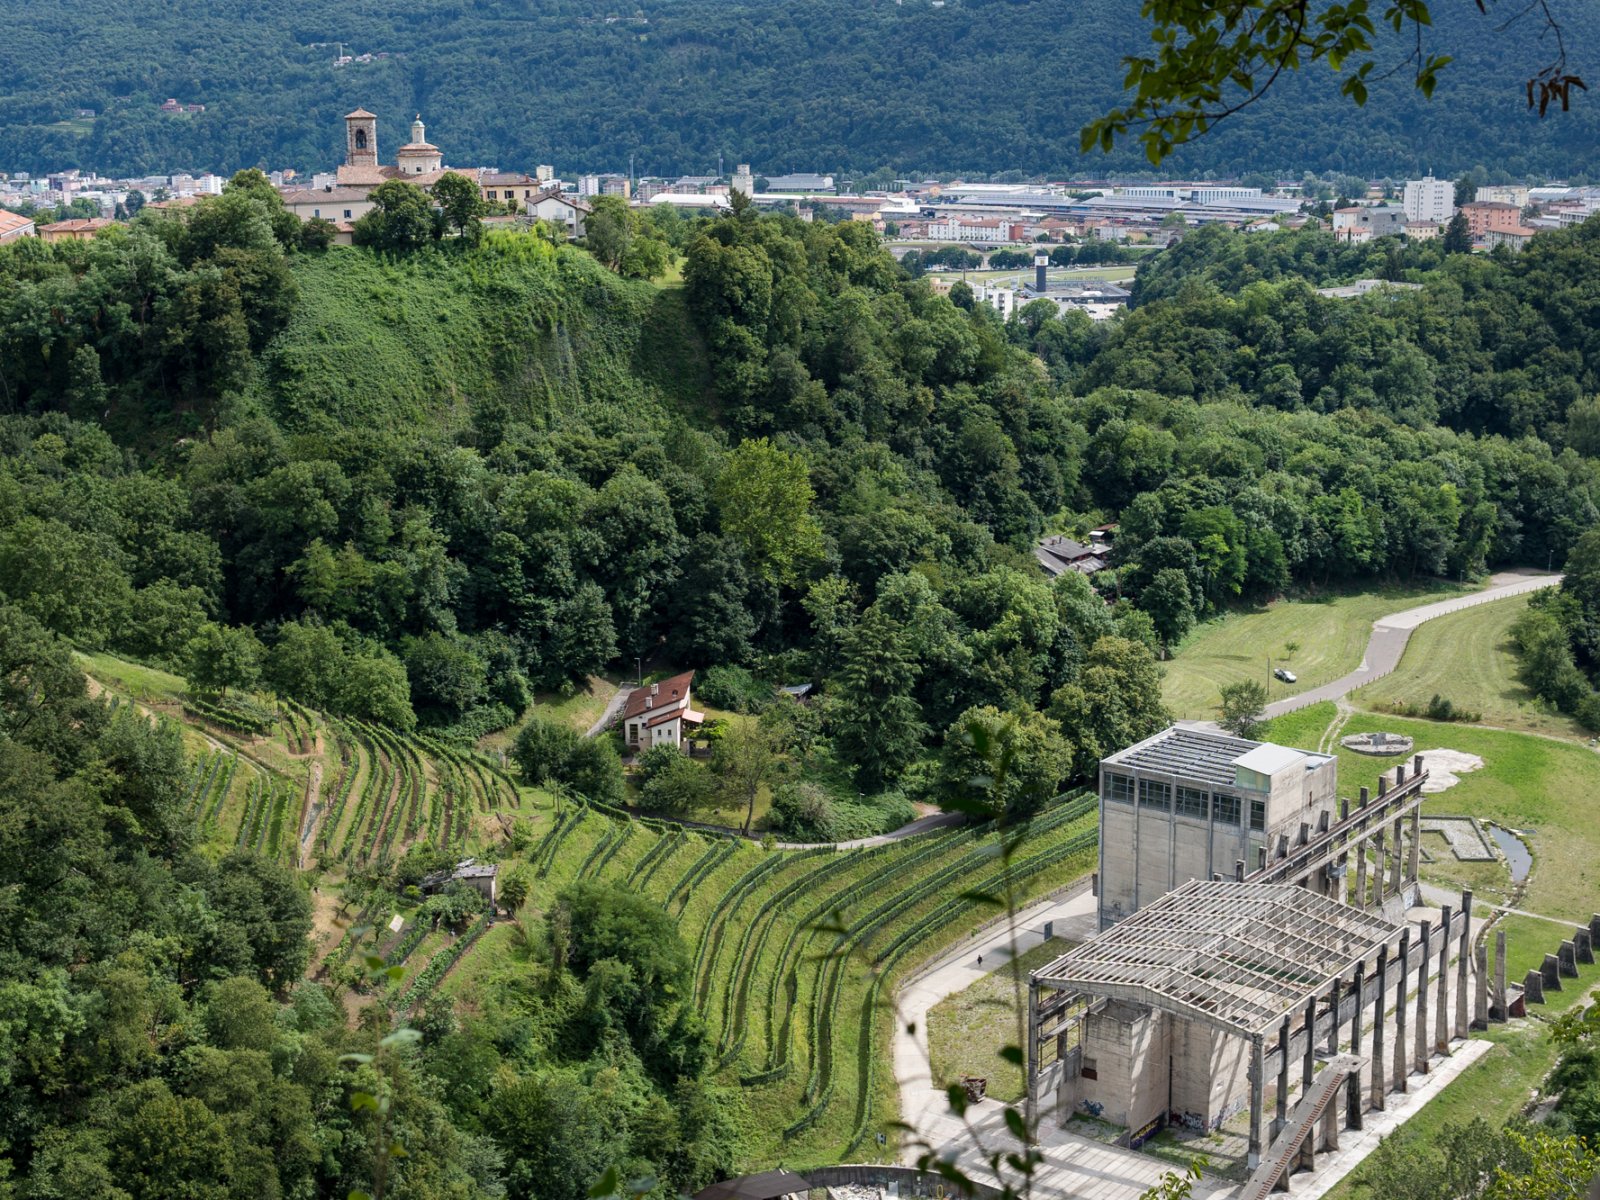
967, 85
414, 487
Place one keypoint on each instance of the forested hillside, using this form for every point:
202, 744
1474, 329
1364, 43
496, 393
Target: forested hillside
381, 499
968, 85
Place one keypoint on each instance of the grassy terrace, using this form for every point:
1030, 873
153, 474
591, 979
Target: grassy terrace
1329, 635
794, 952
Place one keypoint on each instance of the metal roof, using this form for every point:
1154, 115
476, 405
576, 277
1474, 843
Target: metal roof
1238, 957
1197, 754
1269, 759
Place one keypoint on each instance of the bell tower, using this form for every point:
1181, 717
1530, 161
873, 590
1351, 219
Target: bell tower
361, 139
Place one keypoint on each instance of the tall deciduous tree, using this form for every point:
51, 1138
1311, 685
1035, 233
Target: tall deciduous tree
764, 496
220, 657
462, 204
744, 761
875, 721
1114, 701
401, 219
1002, 763
1243, 704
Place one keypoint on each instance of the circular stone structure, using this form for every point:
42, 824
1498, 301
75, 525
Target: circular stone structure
1377, 744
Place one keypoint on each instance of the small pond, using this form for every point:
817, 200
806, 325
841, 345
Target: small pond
1518, 857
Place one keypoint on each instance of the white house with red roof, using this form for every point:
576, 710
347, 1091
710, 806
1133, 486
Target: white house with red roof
660, 714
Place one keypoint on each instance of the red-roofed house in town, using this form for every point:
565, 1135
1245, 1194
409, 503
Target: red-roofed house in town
660, 714
14, 226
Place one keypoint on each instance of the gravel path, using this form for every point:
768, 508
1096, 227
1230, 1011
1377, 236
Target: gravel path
1391, 633
613, 707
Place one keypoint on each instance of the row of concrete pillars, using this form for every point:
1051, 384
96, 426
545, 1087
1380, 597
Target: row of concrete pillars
1396, 861
1563, 964
1332, 1025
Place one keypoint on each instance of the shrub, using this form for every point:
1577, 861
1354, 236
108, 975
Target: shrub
1439, 708
807, 812
675, 785
804, 810
733, 688
551, 753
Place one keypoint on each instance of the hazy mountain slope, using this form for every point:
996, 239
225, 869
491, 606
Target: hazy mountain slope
973, 85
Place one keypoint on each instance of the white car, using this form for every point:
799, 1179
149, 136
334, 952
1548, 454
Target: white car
1283, 674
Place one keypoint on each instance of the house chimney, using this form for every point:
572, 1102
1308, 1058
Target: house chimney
655, 689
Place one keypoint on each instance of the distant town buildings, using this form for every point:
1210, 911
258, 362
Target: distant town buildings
1484, 216
1507, 193
1362, 223
77, 230
800, 183
980, 216
14, 225
1430, 199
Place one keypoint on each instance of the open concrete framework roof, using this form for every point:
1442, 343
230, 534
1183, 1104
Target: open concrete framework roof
1238, 957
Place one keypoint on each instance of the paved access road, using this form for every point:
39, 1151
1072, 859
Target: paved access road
1391, 633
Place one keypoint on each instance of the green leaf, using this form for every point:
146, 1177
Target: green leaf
357, 1059
402, 1037
606, 1185
958, 1099
1015, 1123
1012, 1054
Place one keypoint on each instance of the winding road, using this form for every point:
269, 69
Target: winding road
1391, 633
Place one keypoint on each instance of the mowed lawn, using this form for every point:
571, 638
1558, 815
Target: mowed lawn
1467, 658
967, 1031
1329, 635
1539, 785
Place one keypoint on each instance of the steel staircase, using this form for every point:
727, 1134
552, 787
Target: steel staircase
1285, 1148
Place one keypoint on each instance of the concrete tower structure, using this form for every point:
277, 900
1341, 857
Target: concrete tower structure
360, 139
743, 180
419, 156
1189, 804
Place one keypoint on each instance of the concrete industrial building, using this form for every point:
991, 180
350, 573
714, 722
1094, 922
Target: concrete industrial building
1248, 917
1188, 804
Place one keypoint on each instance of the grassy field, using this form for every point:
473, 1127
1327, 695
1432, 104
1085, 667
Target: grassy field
967, 1031
1536, 784
1467, 658
579, 710
1541, 786
1318, 639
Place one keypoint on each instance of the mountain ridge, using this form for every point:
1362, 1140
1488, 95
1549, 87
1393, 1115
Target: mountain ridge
969, 86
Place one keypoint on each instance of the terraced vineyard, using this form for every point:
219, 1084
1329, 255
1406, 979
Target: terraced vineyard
795, 952
380, 791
